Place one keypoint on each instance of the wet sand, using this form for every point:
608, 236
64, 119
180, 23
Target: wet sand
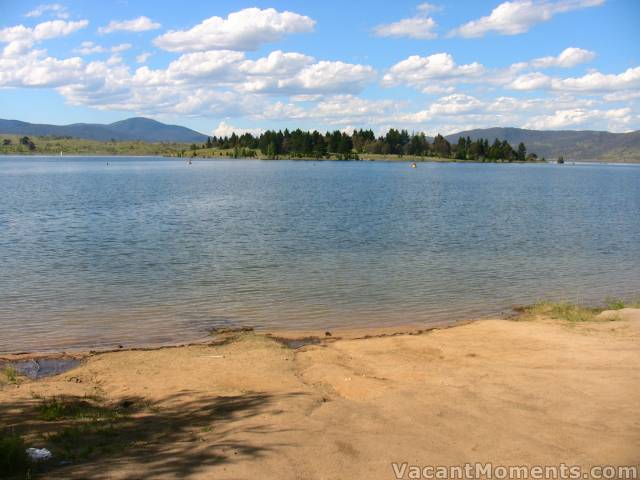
534, 392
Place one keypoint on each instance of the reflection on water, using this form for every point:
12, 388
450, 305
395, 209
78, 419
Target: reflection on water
151, 250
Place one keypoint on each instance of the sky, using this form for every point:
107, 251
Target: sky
222, 66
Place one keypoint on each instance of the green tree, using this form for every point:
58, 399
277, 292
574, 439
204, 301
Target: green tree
506, 152
461, 149
495, 151
441, 146
345, 145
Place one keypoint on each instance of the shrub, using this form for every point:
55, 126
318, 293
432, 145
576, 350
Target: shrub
13, 455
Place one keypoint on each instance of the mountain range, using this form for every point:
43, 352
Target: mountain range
572, 144
138, 128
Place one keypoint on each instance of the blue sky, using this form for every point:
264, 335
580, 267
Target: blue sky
223, 66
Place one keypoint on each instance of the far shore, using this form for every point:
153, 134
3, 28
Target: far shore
363, 158
536, 389
76, 147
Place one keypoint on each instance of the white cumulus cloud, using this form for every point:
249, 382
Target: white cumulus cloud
569, 57
89, 48
20, 38
140, 24
531, 81
417, 71
329, 77
244, 30
577, 117
143, 57
518, 16
417, 27
277, 63
420, 26
225, 130
597, 81
591, 82
55, 9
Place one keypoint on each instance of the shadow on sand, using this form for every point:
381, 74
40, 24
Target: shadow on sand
176, 437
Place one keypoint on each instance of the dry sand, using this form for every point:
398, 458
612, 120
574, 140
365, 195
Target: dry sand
507, 392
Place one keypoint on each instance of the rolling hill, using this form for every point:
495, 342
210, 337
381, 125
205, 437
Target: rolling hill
138, 128
572, 144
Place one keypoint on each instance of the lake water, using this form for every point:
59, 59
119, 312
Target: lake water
147, 250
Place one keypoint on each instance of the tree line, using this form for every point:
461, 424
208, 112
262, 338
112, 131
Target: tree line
305, 144
24, 141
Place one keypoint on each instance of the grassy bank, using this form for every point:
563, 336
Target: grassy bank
11, 145
75, 146
574, 313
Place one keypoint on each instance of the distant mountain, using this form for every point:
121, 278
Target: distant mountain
152, 131
572, 144
138, 128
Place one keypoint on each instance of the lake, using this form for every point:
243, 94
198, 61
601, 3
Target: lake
125, 251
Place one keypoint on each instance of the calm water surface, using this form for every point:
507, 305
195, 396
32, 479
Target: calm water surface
154, 250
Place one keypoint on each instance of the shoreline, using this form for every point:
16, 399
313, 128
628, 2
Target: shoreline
406, 159
526, 391
214, 338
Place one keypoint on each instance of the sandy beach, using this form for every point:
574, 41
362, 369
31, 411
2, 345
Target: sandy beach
509, 392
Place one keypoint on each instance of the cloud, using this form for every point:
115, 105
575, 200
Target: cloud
458, 112
20, 38
243, 31
214, 66
277, 63
591, 82
596, 81
140, 24
439, 73
34, 69
89, 48
323, 77
518, 16
56, 9
143, 57
621, 96
578, 116
216, 82
451, 105
531, 81
333, 110
121, 47
455, 104
428, 7
438, 89
329, 77
419, 26
420, 72
225, 130
569, 57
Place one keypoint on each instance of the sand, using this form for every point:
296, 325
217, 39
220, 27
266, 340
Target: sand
536, 392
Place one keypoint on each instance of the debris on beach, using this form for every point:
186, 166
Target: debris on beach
39, 454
